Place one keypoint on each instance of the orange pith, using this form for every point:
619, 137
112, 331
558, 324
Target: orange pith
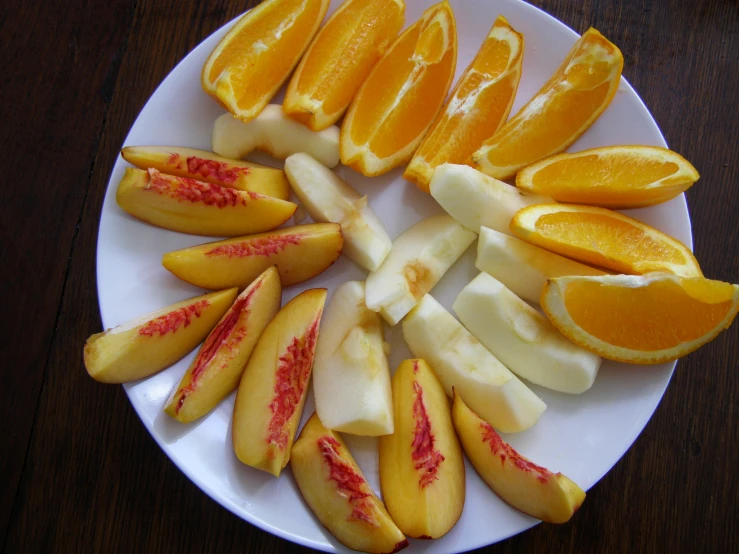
612, 176
479, 105
342, 54
573, 98
645, 319
603, 238
401, 96
253, 60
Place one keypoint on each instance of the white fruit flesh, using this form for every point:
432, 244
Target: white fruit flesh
418, 259
476, 200
351, 377
276, 134
328, 198
523, 267
462, 363
523, 339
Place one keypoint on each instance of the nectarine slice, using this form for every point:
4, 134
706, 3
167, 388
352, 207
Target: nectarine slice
217, 368
337, 492
299, 252
421, 465
142, 347
196, 207
271, 395
518, 481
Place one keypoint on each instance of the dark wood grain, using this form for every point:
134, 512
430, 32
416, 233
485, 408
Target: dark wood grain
80, 472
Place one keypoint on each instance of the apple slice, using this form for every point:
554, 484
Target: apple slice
276, 134
523, 339
337, 492
351, 378
326, 197
530, 488
271, 395
211, 168
299, 252
462, 363
523, 267
420, 256
421, 465
198, 208
217, 368
150, 343
474, 199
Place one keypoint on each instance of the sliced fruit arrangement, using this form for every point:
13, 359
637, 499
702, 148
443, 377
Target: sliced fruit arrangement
328, 198
476, 200
646, 319
402, 95
198, 208
604, 238
275, 134
462, 363
479, 105
142, 347
256, 56
299, 252
216, 370
421, 465
568, 103
273, 388
523, 339
211, 168
420, 256
339, 58
351, 377
518, 481
337, 492
522, 267
611, 176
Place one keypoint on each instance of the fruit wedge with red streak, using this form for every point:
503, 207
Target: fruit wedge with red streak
217, 368
271, 395
299, 252
517, 480
196, 207
142, 347
421, 464
211, 168
337, 492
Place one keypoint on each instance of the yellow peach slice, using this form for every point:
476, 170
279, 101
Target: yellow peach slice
142, 347
299, 252
421, 465
271, 395
519, 482
198, 208
217, 368
337, 492
211, 168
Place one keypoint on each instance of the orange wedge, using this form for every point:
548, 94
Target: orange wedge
573, 98
400, 98
603, 238
646, 319
480, 103
341, 56
256, 56
611, 177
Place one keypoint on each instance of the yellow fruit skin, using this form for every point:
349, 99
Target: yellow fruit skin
337, 492
421, 466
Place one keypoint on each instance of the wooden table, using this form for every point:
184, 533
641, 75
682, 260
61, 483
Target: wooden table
79, 471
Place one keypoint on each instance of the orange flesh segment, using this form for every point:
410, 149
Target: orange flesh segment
611, 313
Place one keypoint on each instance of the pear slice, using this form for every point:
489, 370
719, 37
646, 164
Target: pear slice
530, 488
462, 363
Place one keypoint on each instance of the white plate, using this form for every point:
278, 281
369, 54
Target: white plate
582, 436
